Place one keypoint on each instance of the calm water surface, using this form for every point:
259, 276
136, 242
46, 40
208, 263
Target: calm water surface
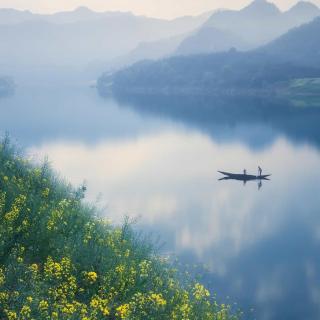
157, 159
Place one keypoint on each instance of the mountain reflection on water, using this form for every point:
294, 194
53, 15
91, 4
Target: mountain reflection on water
158, 157
266, 117
262, 249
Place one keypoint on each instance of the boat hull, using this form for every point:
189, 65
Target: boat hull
243, 177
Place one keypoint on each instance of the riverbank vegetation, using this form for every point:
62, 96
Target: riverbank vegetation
229, 73
58, 260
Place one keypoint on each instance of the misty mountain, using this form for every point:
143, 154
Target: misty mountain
78, 38
226, 73
261, 21
13, 16
300, 45
302, 12
153, 50
254, 25
295, 55
210, 39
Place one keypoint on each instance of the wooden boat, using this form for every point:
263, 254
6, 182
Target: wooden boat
243, 177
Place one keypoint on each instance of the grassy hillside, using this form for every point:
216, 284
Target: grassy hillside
306, 86
303, 92
59, 261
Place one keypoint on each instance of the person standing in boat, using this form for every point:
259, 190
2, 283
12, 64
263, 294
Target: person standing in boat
244, 180
260, 171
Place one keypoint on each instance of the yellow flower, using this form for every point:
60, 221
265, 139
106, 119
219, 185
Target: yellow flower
34, 268
43, 305
25, 311
105, 311
15, 208
2, 277
144, 268
91, 276
120, 269
94, 303
11, 315
29, 299
199, 291
158, 299
52, 269
4, 296
69, 309
123, 311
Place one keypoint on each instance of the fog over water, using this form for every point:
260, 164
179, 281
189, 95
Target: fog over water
259, 247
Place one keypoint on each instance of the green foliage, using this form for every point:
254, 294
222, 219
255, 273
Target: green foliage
59, 261
214, 73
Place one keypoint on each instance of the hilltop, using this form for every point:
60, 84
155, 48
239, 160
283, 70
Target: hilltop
300, 45
257, 24
292, 56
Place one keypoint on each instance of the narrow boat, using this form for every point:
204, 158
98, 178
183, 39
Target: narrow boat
243, 177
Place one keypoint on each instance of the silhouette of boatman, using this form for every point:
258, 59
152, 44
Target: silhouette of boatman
260, 171
245, 173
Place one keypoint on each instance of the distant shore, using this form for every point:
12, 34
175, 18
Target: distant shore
296, 89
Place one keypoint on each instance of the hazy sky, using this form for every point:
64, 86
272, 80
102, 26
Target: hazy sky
156, 8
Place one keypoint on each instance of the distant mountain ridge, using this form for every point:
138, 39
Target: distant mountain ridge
82, 13
210, 39
295, 55
44, 44
13, 16
299, 45
257, 24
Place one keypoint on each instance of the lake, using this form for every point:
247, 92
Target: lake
156, 159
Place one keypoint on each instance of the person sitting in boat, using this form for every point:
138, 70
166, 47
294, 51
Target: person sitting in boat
260, 171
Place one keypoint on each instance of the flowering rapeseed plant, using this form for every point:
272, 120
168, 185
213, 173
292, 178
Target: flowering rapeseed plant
58, 261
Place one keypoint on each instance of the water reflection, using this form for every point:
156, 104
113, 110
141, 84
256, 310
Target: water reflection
244, 177
158, 160
37, 115
256, 121
257, 245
